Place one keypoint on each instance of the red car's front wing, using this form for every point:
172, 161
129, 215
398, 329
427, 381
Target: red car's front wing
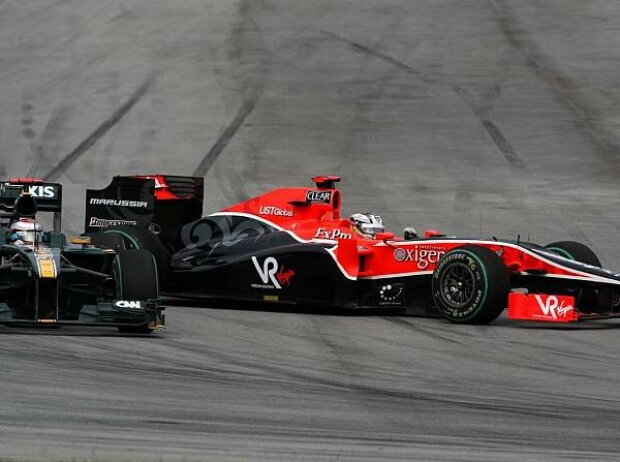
549, 308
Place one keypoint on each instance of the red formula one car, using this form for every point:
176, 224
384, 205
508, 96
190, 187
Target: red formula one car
291, 245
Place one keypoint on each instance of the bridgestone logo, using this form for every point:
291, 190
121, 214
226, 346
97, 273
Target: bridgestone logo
103, 223
119, 202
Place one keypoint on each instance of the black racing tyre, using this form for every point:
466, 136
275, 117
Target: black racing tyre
135, 274
470, 285
586, 298
135, 237
575, 251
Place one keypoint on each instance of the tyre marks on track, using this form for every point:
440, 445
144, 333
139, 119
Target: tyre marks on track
420, 330
46, 148
234, 368
500, 344
496, 134
359, 48
247, 51
220, 144
567, 92
101, 130
481, 111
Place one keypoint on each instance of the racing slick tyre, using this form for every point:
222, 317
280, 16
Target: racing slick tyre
141, 238
587, 298
470, 285
575, 251
135, 274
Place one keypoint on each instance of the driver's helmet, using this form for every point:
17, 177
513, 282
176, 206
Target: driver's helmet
367, 224
25, 230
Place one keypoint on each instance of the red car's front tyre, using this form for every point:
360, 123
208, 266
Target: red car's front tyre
470, 285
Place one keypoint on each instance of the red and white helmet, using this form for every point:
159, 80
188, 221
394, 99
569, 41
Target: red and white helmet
26, 230
367, 224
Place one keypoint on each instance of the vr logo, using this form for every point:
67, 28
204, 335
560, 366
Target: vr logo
552, 306
268, 271
128, 304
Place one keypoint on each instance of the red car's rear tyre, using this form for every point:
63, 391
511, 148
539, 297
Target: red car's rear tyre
135, 237
586, 299
575, 251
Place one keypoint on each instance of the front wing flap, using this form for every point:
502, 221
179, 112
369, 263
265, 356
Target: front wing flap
549, 308
104, 313
542, 307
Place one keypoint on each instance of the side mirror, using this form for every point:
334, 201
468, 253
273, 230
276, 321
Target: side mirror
433, 233
25, 206
384, 236
409, 233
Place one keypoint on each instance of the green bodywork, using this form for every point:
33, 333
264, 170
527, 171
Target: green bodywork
77, 288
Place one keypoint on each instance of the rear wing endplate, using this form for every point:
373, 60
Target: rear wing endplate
127, 201
163, 203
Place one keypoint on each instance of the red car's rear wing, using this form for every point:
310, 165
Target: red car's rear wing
161, 202
173, 187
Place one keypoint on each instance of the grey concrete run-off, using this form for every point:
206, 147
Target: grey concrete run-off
473, 117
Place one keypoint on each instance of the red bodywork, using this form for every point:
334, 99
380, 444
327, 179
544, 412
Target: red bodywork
313, 215
364, 257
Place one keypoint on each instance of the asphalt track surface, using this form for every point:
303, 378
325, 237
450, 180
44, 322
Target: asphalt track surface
473, 117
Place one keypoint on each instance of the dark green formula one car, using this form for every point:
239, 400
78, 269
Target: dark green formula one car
46, 279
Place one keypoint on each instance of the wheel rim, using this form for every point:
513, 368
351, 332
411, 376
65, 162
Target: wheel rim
457, 285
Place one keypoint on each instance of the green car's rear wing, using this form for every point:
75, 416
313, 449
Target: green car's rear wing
48, 197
